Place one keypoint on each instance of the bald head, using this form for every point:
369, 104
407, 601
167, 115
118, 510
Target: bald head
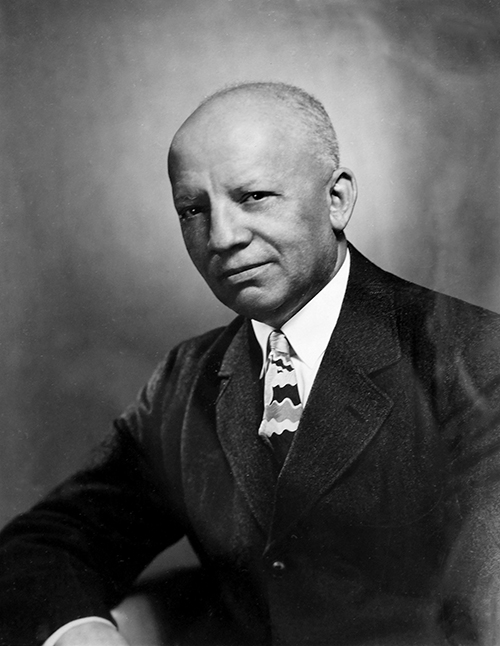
286, 105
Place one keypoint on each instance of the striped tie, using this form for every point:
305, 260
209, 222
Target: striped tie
282, 405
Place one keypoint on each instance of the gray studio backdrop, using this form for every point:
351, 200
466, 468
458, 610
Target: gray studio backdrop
95, 283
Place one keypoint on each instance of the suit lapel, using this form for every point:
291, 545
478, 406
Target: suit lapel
238, 415
346, 408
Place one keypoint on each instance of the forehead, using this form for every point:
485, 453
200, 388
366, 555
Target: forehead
239, 137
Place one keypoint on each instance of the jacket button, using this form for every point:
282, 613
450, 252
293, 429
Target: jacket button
278, 567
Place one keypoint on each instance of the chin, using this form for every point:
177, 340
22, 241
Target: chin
252, 310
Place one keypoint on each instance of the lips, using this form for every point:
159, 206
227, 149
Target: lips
241, 272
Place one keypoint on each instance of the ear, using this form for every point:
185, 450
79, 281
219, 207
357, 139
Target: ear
343, 194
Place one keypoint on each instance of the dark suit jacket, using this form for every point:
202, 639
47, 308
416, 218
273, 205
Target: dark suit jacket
380, 529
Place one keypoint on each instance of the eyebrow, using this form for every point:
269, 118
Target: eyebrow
184, 197
255, 182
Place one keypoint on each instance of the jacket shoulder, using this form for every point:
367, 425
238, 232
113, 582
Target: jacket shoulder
170, 384
415, 300
209, 346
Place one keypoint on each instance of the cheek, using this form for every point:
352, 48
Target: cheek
195, 243
310, 253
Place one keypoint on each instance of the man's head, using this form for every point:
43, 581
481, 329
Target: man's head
261, 198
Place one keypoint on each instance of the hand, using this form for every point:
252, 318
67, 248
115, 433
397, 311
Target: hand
93, 633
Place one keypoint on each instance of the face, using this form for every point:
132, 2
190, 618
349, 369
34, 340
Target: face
255, 206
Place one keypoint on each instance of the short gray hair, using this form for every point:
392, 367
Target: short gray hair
310, 111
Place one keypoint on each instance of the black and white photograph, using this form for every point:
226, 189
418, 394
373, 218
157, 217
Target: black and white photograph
250, 323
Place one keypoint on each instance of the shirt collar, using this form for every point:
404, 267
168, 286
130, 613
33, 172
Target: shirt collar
309, 331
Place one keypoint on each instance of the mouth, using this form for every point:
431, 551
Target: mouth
242, 272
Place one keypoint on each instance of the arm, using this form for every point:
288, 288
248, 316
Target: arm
77, 552
470, 593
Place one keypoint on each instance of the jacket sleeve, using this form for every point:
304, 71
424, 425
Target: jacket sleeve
78, 551
470, 611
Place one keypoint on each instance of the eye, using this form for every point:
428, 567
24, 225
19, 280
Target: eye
190, 212
256, 196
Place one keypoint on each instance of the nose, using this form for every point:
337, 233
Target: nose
228, 228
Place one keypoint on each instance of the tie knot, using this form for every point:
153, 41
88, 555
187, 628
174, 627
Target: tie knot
279, 343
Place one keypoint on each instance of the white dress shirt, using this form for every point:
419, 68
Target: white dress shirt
308, 333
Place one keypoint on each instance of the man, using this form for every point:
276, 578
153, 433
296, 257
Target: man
373, 522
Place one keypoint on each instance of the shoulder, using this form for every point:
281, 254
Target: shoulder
174, 375
447, 320
207, 348
415, 305
443, 338
162, 403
